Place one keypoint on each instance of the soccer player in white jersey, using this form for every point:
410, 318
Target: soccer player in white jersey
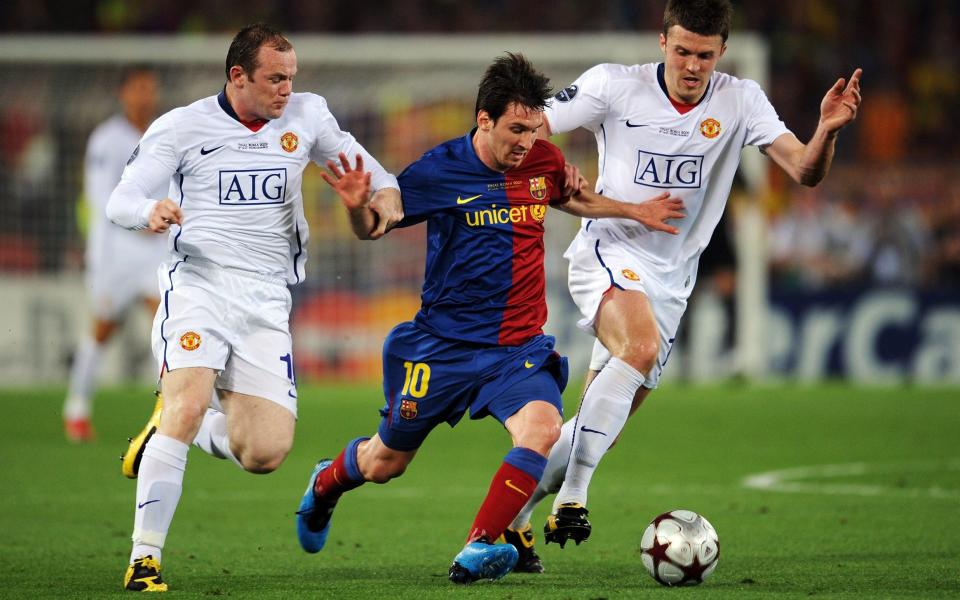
677, 126
234, 163
120, 264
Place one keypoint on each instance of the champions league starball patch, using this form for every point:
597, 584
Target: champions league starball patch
567, 94
133, 157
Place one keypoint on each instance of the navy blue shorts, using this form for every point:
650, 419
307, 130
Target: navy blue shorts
428, 380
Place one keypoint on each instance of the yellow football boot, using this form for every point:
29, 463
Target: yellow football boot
130, 462
144, 576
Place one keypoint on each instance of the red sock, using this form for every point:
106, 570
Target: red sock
509, 491
333, 481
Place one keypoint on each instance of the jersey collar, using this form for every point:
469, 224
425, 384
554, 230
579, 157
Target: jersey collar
225, 105
663, 86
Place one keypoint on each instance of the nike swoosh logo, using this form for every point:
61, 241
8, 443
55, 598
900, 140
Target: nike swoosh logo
465, 200
292, 394
205, 152
146, 503
527, 364
510, 485
586, 430
629, 124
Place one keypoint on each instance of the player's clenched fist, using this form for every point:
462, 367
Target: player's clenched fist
164, 214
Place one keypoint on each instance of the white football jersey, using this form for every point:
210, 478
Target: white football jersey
108, 149
239, 189
646, 147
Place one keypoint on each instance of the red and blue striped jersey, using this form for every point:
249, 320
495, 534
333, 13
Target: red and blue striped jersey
484, 278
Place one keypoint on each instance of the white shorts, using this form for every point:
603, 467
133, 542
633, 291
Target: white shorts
235, 323
595, 267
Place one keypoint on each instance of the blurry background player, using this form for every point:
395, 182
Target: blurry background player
678, 126
235, 164
477, 342
121, 265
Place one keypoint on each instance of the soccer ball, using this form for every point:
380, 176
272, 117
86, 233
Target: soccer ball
680, 547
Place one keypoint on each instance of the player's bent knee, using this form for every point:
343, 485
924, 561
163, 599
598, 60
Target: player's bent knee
261, 463
640, 355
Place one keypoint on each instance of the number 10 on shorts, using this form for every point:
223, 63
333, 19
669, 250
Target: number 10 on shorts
417, 379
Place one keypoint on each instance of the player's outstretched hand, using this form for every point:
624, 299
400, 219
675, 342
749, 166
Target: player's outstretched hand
352, 184
655, 212
840, 105
164, 214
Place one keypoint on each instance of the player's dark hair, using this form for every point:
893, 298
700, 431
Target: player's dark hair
512, 78
703, 17
245, 45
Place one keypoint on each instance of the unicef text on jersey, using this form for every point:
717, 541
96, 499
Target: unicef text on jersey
668, 170
252, 187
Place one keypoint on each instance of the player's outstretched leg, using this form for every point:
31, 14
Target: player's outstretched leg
130, 461
482, 560
522, 539
144, 576
328, 481
568, 522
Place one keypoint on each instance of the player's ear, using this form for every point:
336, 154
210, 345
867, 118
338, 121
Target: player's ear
237, 75
663, 43
723, 48
484, 122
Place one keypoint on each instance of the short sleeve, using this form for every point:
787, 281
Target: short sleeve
763, 125
415, 193
584, 103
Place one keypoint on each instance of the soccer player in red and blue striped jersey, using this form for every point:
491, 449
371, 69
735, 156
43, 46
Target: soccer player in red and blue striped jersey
477, 342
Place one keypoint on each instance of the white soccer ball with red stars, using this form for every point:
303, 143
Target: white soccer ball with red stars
680, 547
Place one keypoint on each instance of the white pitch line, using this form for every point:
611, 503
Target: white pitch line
793, 480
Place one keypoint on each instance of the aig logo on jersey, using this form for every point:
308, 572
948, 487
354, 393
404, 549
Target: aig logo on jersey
253, 187
668, 170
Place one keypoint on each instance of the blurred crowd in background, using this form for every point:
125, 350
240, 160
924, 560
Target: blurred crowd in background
888, 214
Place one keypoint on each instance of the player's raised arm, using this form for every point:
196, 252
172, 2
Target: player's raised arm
809, 163
370, 218
653, 213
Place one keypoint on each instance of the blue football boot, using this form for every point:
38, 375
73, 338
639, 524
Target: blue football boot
313, 515
483, 560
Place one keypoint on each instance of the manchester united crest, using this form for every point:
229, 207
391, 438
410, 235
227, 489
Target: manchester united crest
408, 409
630, 275
538, 187
538, 212
289, 141
710, 128
190, 341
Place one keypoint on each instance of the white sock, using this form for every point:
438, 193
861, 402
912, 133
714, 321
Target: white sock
552, 475
83, 379
603, 413
212, 437
158, 492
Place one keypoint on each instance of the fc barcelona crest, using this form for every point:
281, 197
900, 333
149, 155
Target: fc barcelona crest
289, 141
538, 187
408, 409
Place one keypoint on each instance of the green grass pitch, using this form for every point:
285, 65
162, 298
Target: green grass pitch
862, 500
